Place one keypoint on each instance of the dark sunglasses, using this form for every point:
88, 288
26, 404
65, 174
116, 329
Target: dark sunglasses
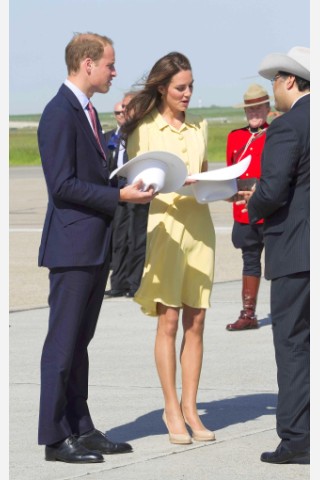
117, 113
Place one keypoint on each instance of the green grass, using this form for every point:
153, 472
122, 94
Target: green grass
23, 147
217, 138
25, 118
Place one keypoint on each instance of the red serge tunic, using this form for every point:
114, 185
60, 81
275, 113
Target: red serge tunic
240, 143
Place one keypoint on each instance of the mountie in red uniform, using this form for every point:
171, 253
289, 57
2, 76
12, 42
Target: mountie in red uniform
240, 143
248, 237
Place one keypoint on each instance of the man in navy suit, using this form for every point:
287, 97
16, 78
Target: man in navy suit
282, 198
75, 247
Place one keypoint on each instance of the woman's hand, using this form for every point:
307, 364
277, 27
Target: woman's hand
189, 181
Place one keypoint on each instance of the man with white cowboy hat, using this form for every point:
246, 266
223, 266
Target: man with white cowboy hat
249, 238
282, 198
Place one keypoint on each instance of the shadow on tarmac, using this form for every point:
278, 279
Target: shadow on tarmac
218, 415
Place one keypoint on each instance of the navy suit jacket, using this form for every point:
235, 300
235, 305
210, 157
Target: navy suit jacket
282, 196
81, 204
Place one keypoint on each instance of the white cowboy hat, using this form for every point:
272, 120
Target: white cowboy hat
255, 95
218, 184
296, 62
164, 171
209, 191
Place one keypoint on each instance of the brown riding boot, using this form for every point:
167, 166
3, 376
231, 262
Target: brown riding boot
247, 319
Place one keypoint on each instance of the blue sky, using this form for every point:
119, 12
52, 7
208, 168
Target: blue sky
225, 41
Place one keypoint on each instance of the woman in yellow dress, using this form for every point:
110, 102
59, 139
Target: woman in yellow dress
179, 263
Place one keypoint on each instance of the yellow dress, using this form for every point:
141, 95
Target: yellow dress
179, 263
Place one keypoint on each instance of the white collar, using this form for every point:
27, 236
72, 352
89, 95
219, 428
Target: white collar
83, 99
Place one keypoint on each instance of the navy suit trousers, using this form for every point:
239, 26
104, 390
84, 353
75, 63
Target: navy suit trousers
75, 300
290, 311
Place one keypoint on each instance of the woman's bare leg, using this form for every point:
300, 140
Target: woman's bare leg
191, 355
165, 357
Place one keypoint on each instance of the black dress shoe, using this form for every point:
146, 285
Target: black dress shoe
70, 451
282, 455
114, 293
98, 441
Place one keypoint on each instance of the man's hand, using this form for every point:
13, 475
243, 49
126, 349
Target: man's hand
244, 196
134, 193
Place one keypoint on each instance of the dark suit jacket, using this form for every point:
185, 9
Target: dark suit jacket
282, 196
80, 203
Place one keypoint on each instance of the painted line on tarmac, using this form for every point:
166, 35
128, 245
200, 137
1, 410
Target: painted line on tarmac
24, 230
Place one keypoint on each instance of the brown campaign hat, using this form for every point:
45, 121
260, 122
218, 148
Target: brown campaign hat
255, 95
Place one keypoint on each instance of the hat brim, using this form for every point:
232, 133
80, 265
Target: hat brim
225, 173
217, 184
278, 62
244, 105
176, 170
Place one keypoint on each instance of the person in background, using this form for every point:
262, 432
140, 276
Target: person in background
240, 143
179, 263
137, 240
75, 247
119, 256
282, 198
129, 224
113, 138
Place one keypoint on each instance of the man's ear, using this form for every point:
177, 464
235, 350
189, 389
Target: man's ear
88, 65
290, 80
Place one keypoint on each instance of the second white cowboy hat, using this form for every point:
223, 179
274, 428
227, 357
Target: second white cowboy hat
217, 184
164, 171
296, 62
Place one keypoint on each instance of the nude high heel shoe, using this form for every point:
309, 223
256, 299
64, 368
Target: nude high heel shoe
179, 438
200, 435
